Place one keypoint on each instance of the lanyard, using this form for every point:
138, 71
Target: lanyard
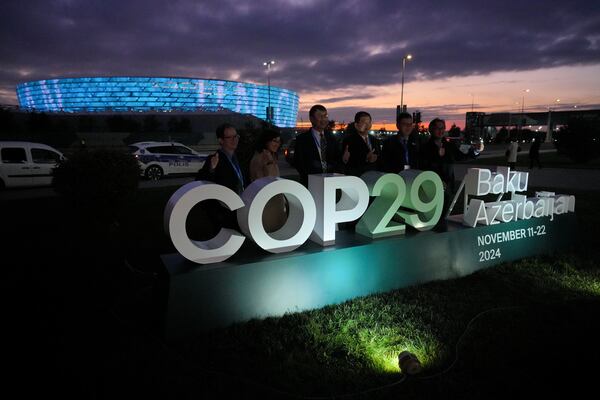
318, 143
236, 168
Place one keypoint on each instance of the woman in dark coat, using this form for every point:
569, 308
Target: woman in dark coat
264, 163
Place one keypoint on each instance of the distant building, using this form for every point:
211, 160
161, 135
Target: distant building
121, 94
485, 124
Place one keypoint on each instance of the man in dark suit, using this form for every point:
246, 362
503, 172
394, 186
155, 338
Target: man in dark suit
401, 151
360, 149
439, 155
317, 150
223, 168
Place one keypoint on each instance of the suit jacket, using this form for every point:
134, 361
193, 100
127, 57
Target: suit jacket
393, 154
443, 165
223, 174
307, 159
357, 147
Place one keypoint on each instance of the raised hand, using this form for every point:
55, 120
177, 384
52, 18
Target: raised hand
346, 155
214, 160
371, 156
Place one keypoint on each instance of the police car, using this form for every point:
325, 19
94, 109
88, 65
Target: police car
158, 159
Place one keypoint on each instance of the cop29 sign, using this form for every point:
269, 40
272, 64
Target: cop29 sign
412, 197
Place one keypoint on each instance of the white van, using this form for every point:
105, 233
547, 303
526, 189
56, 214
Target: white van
27, 164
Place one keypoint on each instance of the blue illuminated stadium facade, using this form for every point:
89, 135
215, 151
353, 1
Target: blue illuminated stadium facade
147, 94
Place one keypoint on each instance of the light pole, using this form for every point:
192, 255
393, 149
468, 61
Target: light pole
268, 64
523, 109
406, 57
549, 133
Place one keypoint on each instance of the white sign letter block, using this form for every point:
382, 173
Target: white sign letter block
353, 203
478, 181
476, 213
217, 249
300, 221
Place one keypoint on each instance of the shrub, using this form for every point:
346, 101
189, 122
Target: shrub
98, 183
579, 140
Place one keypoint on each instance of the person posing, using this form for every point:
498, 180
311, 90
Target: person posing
264, 163
534, 152
223, 168
401, 151
316, 151
439, 154
361, 150
511, 153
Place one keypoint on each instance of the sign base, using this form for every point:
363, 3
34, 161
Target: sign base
257, 284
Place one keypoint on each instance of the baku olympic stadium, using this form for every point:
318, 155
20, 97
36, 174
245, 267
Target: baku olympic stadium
158, 94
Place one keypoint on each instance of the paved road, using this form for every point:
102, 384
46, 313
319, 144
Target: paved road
555, 178
501, 153
585, 179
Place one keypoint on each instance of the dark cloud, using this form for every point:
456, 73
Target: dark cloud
344, 98
317, 44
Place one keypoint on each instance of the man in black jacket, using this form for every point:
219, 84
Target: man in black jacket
401, 151
223, 168
360, 149
440, 153
317, 150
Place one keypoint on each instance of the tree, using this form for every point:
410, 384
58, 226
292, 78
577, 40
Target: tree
502, 135
454, 131
97, 184
8, 126
173, 125
151, 124
185, 125
579, 140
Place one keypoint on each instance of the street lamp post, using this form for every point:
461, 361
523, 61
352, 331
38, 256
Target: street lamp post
549, 133
268, 64
406, 57
523, 109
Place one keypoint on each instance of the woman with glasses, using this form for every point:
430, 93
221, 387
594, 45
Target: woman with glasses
264, 163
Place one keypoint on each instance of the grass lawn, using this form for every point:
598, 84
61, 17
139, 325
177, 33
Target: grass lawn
530, 323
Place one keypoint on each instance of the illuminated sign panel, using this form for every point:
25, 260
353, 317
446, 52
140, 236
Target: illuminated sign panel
309, 263
411, 197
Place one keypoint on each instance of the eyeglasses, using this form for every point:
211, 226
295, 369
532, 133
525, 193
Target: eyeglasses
231, 137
